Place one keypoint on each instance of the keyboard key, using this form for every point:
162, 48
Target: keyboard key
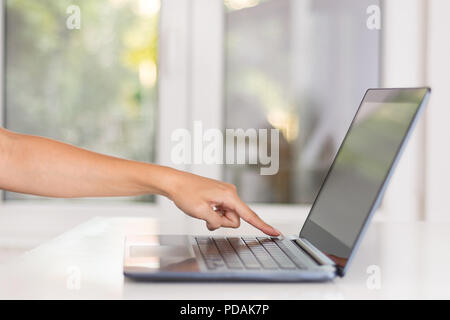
213, 259
260, 253
203, 240
295, 258
277, 254
244, 253
229, 255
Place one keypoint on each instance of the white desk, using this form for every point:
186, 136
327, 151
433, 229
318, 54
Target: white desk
414, 261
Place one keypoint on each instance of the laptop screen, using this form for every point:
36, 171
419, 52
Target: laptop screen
360, 170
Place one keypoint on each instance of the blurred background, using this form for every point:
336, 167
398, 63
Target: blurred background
133, 71
97, 86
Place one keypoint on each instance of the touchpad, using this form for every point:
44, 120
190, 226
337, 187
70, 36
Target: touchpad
159, 251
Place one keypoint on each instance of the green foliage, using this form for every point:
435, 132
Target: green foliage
82, 86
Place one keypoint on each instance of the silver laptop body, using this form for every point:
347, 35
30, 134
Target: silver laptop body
328, 240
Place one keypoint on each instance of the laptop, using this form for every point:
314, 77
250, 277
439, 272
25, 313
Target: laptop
328, 240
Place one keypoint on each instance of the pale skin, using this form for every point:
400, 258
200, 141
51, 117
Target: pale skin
45, 167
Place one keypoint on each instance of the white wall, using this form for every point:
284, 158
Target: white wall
416, 52
404, 25
438, 118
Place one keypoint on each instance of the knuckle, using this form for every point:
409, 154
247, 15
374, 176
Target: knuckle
230, 188
210, 227
214, 224
231, 193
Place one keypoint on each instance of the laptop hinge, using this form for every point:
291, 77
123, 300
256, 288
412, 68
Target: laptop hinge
314, 253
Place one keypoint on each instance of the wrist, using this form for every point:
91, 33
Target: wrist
161, 180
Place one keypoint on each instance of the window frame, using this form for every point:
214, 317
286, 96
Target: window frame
404, 65
207, 58
437, 133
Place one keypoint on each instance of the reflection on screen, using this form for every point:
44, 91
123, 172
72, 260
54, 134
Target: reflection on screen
357, 176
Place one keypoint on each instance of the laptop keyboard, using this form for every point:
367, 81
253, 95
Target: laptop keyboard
252, 253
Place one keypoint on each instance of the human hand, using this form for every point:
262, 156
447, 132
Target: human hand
214, 201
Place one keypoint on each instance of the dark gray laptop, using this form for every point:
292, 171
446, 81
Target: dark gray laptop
330, 236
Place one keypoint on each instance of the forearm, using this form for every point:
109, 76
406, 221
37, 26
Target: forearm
45, 167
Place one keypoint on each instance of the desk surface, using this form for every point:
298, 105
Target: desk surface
395, 260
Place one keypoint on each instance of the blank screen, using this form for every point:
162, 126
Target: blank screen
359, 172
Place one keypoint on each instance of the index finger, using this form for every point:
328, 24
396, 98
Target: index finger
252, 218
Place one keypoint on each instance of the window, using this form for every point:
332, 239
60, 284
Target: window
300, 66
84, 72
